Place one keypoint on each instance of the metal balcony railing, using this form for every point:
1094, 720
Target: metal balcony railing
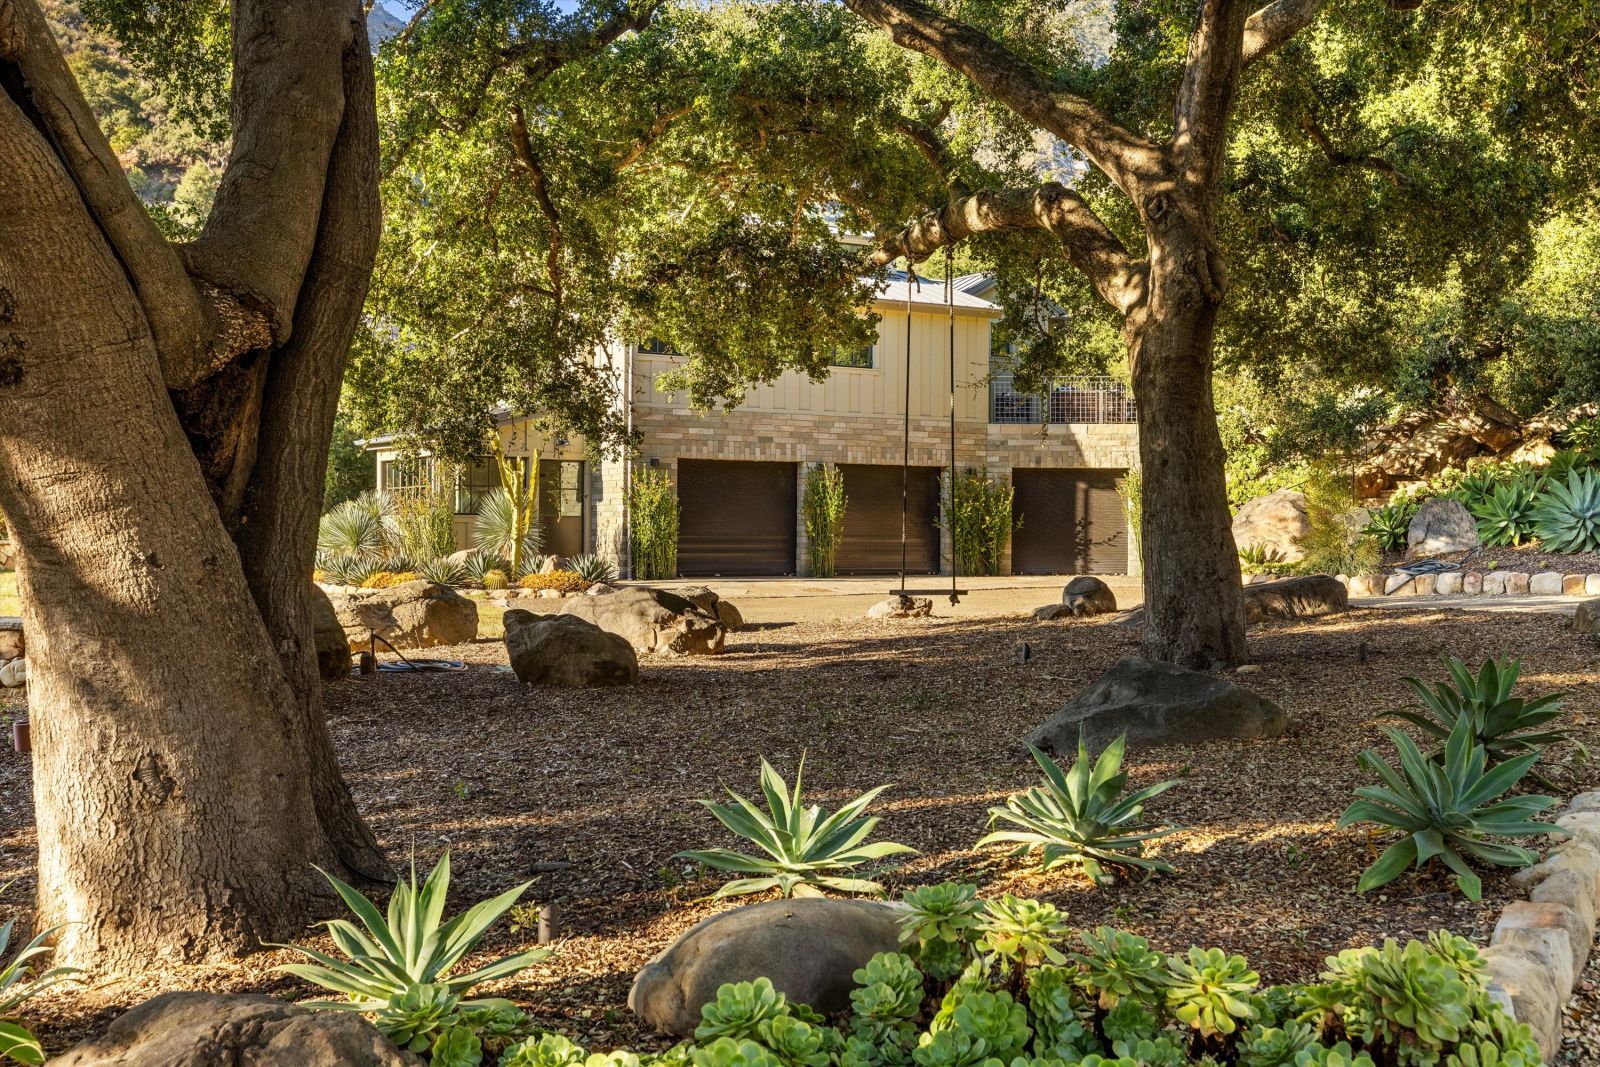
1079, 398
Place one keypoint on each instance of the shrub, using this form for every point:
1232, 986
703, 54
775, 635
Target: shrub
386, 579
564, 581
977, 512
1130, 487
1332, 543
1081, 817
403, 967
1566, 515
822, 505
804, 847
1503, 724
1449, 810
593, 568
424, 524
653, 524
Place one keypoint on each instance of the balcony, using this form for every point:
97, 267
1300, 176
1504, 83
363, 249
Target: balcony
1075, 399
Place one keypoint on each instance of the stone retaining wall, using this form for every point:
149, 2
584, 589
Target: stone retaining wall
1472, 583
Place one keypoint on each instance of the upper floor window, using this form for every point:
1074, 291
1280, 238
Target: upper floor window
655, 346
406, 474
860, 358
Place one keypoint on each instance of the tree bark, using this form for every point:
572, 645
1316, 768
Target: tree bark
164, 484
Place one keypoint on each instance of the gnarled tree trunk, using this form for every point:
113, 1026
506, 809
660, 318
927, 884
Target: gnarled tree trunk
164, 424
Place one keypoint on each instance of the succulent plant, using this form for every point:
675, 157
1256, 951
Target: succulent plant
1567, 514
1054, 1001
1390, 525
1116, 964
739, 1009
1506, 514
592, 568
442, 571
796, 1043
1080, 816
1503, 724
1272, 1046
1210, 991
1022, 932
726, 1052
942, 920
415, 1016
999, 1020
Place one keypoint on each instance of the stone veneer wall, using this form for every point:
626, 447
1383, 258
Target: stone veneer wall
671, 434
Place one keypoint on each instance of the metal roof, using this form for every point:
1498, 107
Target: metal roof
929, 292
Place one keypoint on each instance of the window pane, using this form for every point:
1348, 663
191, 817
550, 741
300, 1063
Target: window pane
860, 358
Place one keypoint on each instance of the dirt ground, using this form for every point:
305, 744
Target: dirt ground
510, 778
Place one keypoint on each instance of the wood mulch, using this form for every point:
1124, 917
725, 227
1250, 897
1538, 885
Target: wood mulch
511, 778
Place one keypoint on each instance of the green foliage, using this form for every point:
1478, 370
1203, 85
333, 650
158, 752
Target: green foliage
1258, 558
1024, 933
442, 571
1391, 523
1503, 724
1116, 965
1505, 514
1081, 816
653, 518
822, 506
941, 919
480, 563
805, 848
410, 947
995, 1019
359, 527
726, 1052
1583, 434
1449, 810
496, 578
740, 1010
424, 523
1566, 515
348, 569
887, 999
592, 568
1130, 487
979, 519
1333, 542
1271, 1046
18, 984
504, 532
1210, 991
414, 1017
351, 470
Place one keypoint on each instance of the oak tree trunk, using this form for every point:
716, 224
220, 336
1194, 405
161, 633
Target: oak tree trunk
161, 468
1194, 607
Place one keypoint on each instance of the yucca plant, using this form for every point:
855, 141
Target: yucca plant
408, 948
1080, 816
18, 984
479, 562
1567, 514
592, 567
1505, 515
504, 524
1504, 725
804, 846
1449, 810
358, 527
348, 569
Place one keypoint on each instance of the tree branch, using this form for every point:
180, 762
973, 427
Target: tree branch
1087, 241
1271, 27
1206, 95
924, 136
288, 102
1319, 137
1125, 157
658, 130
542, 59
523, 147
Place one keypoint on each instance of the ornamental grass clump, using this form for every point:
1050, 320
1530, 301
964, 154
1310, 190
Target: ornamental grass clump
977, 512
823, 506
1082, 817
653, 525
805, 849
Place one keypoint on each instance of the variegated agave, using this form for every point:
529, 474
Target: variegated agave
805, 848
1080, 816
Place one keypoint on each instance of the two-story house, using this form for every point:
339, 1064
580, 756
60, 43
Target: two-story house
740, 474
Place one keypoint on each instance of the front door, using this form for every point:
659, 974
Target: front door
561, 506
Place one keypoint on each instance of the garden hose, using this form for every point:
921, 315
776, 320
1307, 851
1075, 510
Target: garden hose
411, 664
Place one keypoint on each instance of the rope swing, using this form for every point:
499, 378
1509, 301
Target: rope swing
953, 592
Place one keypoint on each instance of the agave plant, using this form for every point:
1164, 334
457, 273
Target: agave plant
358, 527
1567, 514
1391, 523
1505, 516
409, 948
1503, 724
1449, 810
18, 984
1080, 816
349, 569
442, 571
1261, 558
804, 846
477, 564
592, 567
1566, 461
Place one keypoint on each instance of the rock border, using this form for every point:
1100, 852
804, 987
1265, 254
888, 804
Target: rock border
1472, 583
1540, 945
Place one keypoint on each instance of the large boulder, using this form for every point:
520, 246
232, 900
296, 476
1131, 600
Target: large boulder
1586, 620
808, 947
709, 601
652, 620
1441, 525
207, 1029
1158, 703
418, 614
1304, 597
1086, 595
901, 607
1275, 522
567, 650
333, 644
13, 645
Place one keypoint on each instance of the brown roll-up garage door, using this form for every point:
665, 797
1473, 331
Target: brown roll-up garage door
1072, 522
871, 541
735, 518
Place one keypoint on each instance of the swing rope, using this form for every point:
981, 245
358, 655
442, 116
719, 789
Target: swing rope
954, 593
